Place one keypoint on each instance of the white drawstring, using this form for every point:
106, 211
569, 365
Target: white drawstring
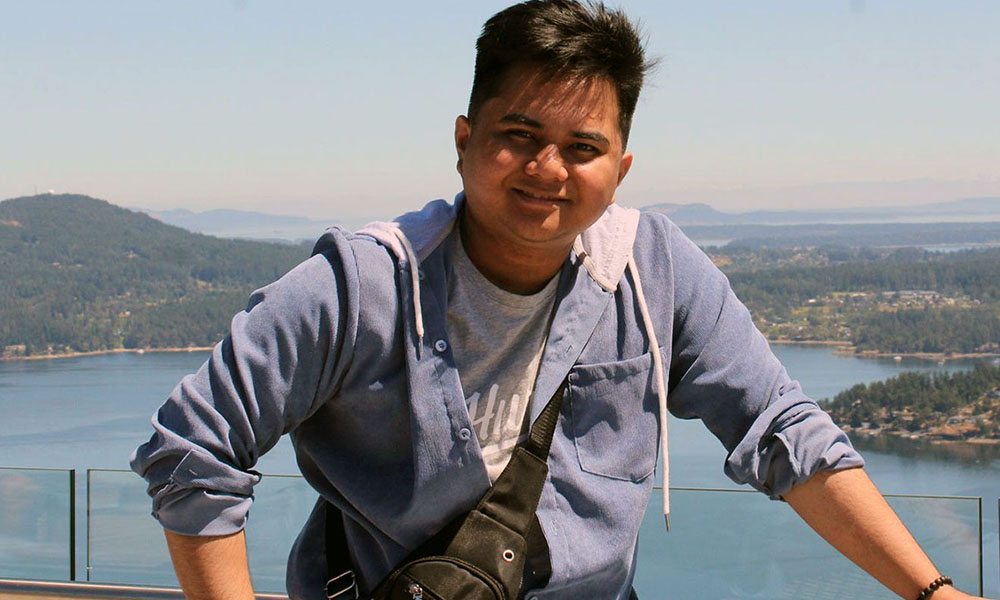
661, 388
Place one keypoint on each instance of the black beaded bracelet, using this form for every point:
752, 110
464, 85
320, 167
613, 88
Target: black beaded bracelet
929, 590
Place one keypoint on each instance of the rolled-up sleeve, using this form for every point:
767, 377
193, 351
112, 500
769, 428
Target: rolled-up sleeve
284, 355
724, 373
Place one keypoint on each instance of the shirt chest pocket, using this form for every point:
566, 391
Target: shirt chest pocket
613, 414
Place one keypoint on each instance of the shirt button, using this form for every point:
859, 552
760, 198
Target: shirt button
420, 274
440, 345
464, 434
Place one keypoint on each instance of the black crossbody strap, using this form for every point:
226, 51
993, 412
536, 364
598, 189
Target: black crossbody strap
512, 500
540, 438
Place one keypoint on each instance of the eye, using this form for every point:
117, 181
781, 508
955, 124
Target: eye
582, 147
521, 134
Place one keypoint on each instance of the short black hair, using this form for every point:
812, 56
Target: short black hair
564, 38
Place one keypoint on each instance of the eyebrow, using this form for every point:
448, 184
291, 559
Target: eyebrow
523, 119
592, 136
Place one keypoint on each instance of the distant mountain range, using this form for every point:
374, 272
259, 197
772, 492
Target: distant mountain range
966, 209
261, 226
930, 235
242, 224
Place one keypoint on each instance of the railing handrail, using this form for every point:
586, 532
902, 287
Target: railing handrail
59, 469
655, 487
64, 589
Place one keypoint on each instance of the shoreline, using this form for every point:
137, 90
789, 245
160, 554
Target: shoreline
927, 438
810, 343
846, 349
841, 348
104, 352
939, 356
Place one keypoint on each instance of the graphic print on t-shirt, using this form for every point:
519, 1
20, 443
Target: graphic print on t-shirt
496, 416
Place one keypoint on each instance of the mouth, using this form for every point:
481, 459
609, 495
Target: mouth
539, 197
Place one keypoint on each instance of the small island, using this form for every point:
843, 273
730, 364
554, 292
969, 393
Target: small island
939, 407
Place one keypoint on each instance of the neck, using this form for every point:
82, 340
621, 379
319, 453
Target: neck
518, 269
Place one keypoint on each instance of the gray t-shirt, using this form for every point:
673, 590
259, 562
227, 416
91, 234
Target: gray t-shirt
498, 338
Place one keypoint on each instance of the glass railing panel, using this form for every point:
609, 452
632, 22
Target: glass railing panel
36, 523
727, 545
126, 545
281, 505
723, 544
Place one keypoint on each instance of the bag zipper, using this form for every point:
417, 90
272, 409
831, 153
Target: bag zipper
416, 592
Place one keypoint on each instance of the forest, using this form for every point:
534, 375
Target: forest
84, 275
887, 300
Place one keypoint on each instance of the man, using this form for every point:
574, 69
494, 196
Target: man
401, 359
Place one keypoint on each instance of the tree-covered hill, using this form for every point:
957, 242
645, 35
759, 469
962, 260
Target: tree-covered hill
974, 273
894, 301
81, 274
944, 405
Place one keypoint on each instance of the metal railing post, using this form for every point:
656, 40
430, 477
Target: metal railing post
90, 483
72, 524
979, 507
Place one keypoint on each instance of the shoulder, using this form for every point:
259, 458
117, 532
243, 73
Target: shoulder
357, 255
657, 229
660, 240
665, 254
368, 270
331, 279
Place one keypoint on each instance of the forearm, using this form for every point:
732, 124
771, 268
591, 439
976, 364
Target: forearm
211, 568
847, 510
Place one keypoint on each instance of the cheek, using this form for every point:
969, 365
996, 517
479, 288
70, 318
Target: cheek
495, 161
598, 181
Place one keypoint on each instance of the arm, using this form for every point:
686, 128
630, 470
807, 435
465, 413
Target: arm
779, 440
723, 372
845, 508
211, 568
284, 357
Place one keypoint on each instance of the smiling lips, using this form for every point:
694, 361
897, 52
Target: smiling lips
539, 197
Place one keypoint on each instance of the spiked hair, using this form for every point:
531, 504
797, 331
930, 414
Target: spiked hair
565, 39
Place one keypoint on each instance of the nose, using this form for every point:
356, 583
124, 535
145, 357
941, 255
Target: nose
547, 164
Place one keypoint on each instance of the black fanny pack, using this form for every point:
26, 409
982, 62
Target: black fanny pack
479, 556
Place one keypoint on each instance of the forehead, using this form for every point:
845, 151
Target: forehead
554, 99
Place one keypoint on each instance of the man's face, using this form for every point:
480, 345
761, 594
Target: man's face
541, 161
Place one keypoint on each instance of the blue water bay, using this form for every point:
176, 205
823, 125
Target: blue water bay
90, 412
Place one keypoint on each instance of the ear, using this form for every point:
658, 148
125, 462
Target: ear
624, 166
463, 129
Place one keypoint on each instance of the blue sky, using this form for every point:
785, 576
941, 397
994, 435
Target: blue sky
320, 109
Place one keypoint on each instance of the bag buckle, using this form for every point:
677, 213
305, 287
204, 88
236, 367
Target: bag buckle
341, 584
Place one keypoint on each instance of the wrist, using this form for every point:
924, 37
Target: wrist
934, 586
948, 592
